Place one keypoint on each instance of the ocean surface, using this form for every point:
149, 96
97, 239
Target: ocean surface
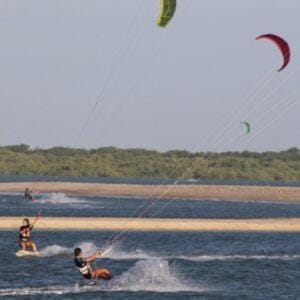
59, 204
156, 266
152, 265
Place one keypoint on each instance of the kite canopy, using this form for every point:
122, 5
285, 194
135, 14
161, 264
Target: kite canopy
281, 44
167, 11
247, 126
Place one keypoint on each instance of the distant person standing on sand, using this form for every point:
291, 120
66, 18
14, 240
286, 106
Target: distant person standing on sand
24, 234
28, 194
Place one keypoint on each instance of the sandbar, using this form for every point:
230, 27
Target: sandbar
145, 224
185, 192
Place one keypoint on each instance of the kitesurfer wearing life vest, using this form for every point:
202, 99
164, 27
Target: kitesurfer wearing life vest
24, 234
85, 269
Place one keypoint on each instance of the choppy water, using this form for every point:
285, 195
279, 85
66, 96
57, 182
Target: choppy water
157, 266
153, 265
63, 205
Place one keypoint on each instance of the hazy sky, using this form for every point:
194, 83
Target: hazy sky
182, 87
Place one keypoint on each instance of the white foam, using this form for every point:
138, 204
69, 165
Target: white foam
150, 273
55, 250
88, 248
118, 254
62, 199
11, 194
155, 276
115, 253
47, 290
239, 257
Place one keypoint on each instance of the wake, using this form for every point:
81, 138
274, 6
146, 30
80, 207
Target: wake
151, 276
152, 272
88, 248
239, 257
115, 253
62, 199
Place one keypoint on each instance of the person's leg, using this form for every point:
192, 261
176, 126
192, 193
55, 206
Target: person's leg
102, 274
32, 246
22, 245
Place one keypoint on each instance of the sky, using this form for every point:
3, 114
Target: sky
100, 73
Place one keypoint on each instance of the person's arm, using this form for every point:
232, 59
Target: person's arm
35, 220
93, 257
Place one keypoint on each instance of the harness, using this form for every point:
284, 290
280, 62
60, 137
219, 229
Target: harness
85, 270
25, 233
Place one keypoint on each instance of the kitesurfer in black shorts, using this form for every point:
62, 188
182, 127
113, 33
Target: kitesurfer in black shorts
24, 234
28, 194
85, 269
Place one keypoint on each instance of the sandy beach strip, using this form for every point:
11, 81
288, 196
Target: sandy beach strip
131, 224
188, 192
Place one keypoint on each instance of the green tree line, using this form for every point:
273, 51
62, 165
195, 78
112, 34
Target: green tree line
141, 163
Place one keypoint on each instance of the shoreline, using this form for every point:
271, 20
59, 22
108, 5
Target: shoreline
184, 192
176, 225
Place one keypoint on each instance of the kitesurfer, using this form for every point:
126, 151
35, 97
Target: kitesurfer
28, 194
85, 269
24, 234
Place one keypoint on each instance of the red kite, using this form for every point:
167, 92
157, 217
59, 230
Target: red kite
281, 44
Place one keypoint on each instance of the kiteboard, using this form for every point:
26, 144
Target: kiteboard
23, 253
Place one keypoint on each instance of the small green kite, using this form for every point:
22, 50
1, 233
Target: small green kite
247, 126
